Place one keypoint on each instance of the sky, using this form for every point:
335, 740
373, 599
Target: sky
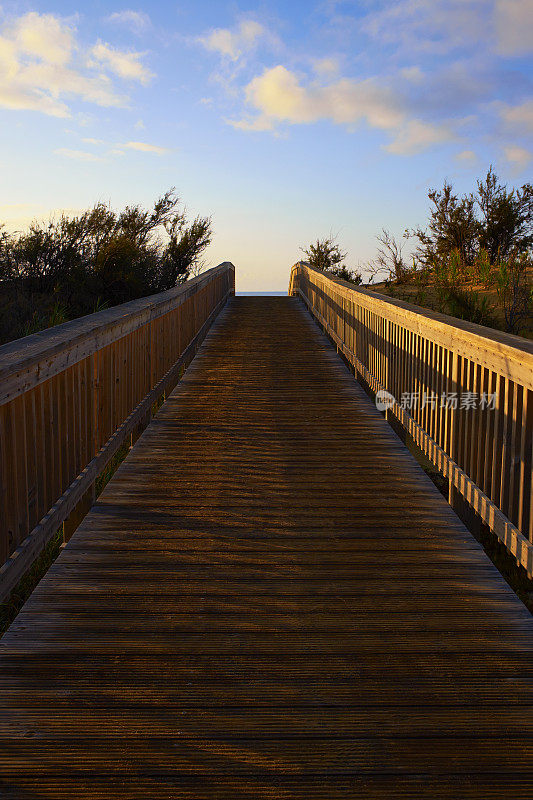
285, 122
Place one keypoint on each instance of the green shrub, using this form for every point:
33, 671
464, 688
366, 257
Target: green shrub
71, 266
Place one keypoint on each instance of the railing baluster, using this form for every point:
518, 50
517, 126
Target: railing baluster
70, 396
486, 450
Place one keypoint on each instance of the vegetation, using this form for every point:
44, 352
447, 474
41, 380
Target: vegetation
492, 221
326, 255
474, 259
13, 604
73, 266
390, 259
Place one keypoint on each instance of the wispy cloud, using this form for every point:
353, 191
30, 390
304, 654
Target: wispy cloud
326, 67
78, 155
108, 150
42, 67
234, 43
467, 157
435, 26
236, 47
135, 21
414, 136
513, 20
518, 156
145, 147
125, 65
413, 74
440, 26
519, 117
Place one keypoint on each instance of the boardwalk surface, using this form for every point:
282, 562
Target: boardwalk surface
270, 600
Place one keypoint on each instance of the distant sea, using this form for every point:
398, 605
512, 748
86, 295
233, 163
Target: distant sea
261, 294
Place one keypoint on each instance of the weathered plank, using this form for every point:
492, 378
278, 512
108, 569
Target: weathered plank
269, 600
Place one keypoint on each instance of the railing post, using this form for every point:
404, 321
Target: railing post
453, 426
386, 377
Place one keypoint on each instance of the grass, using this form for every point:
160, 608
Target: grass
11, 607
468, 300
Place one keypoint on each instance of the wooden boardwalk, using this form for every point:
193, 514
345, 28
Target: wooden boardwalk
269, 600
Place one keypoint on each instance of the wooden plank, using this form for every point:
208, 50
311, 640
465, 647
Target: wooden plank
269, 600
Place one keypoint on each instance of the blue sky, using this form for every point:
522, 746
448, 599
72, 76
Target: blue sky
285, 122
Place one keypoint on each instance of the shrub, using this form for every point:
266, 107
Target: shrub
514, 290
98, 259
327, 256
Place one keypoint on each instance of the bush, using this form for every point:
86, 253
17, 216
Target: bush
493, 221
72, 266
514, 290
389, 261
327, 256
481, 241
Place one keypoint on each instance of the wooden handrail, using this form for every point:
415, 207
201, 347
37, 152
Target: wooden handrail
71, 395
420, 357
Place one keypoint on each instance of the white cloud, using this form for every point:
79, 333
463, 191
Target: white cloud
326, 67
135, 21
467, 157
63, 80
40, 60
233, 43
519, 117
16, 98
513, 23
43, 36
107, 149
518, 156
416, 135
278, 96
125, 65
412, 74
260, 123
79, 155
439, 26
144, 147
433, 26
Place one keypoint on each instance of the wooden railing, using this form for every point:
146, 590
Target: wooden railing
71, 396
463, 392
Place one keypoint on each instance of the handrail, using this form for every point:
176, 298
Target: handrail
462, 391
71, 395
